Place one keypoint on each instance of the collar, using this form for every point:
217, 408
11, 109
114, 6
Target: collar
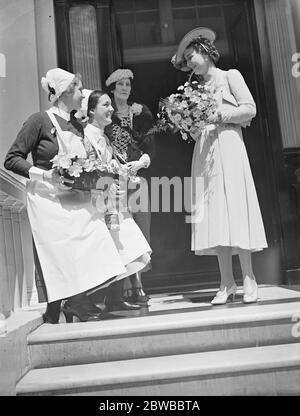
61, 113
96, 131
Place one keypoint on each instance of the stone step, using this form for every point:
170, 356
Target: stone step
208, 329
268, 370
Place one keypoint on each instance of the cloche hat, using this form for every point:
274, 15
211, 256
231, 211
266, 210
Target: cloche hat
118, 75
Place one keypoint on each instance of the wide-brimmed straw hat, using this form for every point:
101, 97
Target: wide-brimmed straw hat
178, 59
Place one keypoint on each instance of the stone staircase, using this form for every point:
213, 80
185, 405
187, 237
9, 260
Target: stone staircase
181, 346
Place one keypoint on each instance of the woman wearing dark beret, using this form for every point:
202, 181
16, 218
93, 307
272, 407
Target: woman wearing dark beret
128, 135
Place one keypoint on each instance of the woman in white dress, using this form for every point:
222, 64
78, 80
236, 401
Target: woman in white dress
227, 218
75, 249
129, 239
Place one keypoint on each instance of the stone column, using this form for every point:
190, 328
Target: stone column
282, 40
295, 8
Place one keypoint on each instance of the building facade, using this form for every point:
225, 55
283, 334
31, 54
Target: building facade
259, 37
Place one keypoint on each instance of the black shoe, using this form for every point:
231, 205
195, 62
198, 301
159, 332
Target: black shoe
91, 307
51, 316
81, 313
122, 305
138, 296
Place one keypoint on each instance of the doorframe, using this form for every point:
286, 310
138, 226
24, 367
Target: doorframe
280, 185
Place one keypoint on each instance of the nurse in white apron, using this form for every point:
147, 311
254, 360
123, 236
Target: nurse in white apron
75, 249
129, 239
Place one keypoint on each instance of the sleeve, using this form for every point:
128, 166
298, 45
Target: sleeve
246, 109
27, 139
148, 142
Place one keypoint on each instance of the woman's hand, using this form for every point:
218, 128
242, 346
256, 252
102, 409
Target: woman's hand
135, 166
195, 132
216, 118
115, 190
53, 177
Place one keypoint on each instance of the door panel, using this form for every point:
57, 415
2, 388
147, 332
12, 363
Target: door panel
267, 264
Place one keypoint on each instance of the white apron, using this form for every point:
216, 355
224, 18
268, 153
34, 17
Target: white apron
129, 240
74, 246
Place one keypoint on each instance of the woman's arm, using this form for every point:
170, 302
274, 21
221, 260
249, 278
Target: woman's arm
246, 109
27, 139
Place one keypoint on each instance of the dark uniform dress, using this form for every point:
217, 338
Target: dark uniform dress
74, 246
37, 137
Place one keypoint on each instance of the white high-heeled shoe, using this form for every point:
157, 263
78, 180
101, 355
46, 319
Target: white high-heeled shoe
252, 297
224, 295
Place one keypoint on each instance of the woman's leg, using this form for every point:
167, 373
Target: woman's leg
114, 297
127, 288
227, 287
225, 264
143, 221
51, 316
247, 271
138, 294
136, 282
133, 286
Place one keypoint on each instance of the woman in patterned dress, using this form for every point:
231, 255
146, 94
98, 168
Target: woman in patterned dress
128, 135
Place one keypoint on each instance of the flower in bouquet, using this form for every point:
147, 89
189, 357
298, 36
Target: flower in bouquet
85, 172
72, 165
189, 108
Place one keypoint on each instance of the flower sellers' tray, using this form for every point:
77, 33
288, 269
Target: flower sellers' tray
90, 180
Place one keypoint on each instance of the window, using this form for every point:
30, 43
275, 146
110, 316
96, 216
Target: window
151, 29
140, 22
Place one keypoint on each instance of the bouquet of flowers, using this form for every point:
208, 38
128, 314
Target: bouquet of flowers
187, 109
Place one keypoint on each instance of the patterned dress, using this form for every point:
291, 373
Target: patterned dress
122, 136
128, 136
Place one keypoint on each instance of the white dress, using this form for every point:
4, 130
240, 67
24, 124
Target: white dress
226, 209
129, 240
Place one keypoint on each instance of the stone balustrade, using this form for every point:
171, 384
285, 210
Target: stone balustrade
17, 282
